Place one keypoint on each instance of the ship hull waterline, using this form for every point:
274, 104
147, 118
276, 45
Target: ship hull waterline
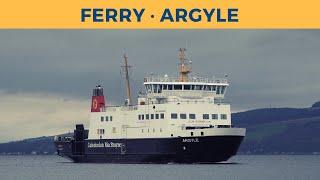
203, 149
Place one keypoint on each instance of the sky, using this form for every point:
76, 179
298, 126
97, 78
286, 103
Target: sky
47, 76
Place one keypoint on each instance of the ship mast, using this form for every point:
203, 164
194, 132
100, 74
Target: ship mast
184, 67
126, 70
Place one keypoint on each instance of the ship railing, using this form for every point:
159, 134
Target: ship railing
191, 79
197, 101
122, 108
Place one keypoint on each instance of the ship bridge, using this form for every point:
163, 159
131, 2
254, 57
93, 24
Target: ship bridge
194, 86
162, 89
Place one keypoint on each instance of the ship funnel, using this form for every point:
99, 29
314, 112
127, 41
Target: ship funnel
98, 102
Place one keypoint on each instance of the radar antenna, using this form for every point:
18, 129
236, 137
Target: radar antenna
184, 66
126, 71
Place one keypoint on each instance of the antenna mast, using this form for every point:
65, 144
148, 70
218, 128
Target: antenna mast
126, 70
184, 67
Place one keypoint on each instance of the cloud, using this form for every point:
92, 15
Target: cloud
25, 115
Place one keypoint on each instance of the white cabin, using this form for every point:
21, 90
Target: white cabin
170, 107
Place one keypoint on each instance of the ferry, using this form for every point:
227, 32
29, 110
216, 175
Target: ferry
181, 119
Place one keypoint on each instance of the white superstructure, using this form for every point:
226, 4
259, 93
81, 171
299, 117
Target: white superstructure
185, 106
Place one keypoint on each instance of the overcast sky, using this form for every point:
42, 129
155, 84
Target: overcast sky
46, 76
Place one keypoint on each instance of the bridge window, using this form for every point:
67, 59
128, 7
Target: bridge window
147, 116
149, 87
165, 87
198, 87
170, 87
174, 115
186, 87
205, 116
152, 116
214, 116
223, 88
102, 118
192, 116
154, 88
218, 89
161, 116
214, 88
206, 88
159, 88
183, 116
223, 116
157, 116
177, 87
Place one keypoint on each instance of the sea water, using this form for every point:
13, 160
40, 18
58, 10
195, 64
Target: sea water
243, 167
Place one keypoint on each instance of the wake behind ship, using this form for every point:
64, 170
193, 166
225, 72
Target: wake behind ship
176, 120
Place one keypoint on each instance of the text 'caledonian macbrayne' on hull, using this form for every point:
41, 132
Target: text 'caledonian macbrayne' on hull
176, 120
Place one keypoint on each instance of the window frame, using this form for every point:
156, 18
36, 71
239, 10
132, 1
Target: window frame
205, 115
215, 115
223, 116
174, 114
161, 115
183, 114
190, 116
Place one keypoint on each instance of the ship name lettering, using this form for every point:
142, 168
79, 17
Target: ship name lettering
95, 145
190, 140
112, 145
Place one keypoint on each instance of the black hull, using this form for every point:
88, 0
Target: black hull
204, 149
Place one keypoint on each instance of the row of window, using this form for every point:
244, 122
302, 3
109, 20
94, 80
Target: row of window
193, 116
106, 118
153, 130
157, 88
150, 116
100, 131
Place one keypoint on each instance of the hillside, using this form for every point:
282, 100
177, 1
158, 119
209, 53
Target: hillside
40, 145
269, 131
280, 130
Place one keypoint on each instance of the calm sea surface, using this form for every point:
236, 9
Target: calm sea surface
240, 167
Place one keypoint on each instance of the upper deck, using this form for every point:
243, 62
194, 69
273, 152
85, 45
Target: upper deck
191, 87
191, 80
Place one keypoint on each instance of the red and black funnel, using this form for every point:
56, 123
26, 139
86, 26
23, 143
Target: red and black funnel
98, 102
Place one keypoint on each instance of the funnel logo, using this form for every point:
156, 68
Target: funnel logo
95, 104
